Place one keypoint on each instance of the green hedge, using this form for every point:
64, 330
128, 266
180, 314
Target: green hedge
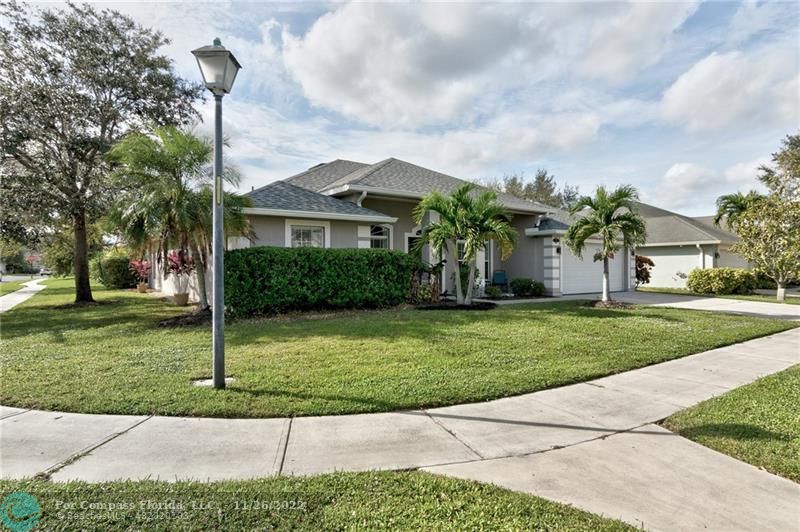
114, 272
266, 280
721, 281
522, 286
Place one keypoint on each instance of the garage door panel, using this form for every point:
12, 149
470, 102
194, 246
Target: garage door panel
586, 276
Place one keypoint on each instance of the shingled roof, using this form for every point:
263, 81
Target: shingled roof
393, 175
663, 226
318, 177
283, 196
667, 227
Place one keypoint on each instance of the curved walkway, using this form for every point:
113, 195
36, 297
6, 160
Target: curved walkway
592, 444
9, 301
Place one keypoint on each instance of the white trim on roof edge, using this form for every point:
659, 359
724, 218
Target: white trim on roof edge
684, 243
319, 215
405, 194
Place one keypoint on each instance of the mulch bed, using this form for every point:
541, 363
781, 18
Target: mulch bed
609, 304
451, 305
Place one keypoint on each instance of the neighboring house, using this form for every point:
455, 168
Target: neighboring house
678, 244
347, 204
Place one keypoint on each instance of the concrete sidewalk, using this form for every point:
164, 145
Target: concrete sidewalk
31, 288
566, 443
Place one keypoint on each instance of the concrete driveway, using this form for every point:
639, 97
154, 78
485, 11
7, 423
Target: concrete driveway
717, 304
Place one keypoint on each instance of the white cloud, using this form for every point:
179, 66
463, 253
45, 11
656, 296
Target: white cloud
401, 65
683, 185
396, 64
734, 89
693, 189
633, 36
744, 176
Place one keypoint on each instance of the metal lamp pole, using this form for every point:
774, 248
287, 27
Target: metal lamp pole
219, 68
218, 294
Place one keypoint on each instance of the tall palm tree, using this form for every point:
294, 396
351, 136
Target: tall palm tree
610, 216
731, 207
167, 200
467, 216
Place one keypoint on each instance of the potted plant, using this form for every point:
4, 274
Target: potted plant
141, 269
181, 265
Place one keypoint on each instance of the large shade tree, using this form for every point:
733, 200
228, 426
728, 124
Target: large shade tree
613, 218
75, 80
167, 198
783, 177
470, 217
769, 238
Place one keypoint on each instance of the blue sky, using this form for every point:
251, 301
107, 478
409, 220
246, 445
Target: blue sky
683, 100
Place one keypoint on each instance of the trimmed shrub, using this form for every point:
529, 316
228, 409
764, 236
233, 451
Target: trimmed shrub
115, 272
266, 280
493, 292
522, 286
721, 281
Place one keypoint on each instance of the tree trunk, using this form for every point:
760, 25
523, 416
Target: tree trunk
606, 294
470, 282
457, 273
781, 292
201, 278
83, 289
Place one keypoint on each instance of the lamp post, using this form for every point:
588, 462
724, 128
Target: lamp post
218, 67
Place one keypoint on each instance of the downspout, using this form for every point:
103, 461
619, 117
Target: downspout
361, 197
702, 256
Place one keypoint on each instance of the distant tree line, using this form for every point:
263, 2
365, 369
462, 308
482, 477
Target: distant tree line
543, 189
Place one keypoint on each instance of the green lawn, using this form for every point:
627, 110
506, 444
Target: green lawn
11, 286
758, 423
342, 501
750, 297
112, 358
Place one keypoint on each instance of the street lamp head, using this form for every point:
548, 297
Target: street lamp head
218, 67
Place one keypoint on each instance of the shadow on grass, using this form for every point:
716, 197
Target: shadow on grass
433, 325
736, 431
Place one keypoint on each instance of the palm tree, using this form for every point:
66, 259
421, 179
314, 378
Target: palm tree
610, 217
731, 207
467, 217
166, 201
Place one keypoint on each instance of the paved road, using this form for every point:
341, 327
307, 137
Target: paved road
593, 445
30, 289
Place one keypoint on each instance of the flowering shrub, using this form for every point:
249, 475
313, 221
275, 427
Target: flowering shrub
643, 267
141, 269
180, 263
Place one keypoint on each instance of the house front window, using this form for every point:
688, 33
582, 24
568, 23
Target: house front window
307, 236
379, 237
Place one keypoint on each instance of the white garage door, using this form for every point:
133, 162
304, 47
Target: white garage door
586, 276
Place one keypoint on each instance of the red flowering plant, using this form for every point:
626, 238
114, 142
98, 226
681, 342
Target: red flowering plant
141, 269
181, 264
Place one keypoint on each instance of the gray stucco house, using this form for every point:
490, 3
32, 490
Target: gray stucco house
678, 244
348, 204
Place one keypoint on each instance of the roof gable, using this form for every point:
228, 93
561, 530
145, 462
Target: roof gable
404, 177
665, 226
283, 196
320, 176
